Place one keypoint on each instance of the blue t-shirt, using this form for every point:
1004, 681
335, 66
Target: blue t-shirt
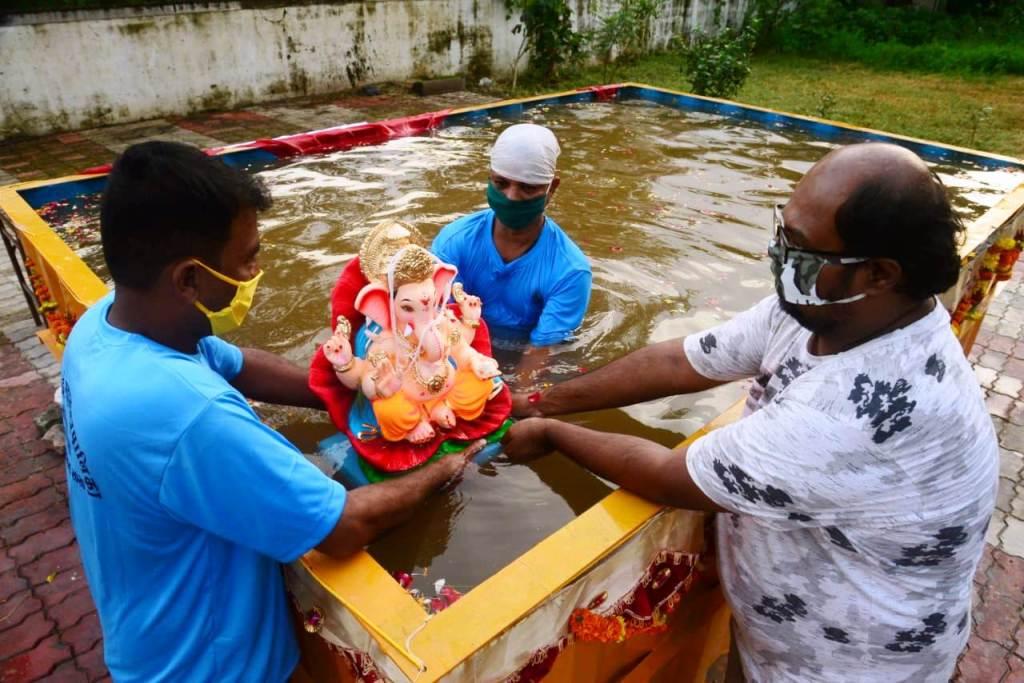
184, 504
544, 292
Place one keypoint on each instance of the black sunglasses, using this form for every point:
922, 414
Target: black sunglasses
783, 247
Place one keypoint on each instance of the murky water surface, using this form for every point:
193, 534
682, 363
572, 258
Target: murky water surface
672, 208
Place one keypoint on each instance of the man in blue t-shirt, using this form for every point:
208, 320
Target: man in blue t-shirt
533, 279
184, 504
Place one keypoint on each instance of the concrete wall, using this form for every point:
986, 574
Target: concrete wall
68, 70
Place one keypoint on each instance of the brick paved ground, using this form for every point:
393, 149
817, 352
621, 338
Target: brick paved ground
996, 648
48, 625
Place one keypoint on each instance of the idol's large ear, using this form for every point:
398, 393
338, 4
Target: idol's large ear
444, 273
373, 302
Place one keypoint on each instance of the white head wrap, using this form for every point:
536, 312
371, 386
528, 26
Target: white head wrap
526, 153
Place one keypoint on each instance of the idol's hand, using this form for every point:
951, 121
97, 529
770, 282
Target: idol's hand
338, 349
527, 440
386, 381
470, 306
484, 367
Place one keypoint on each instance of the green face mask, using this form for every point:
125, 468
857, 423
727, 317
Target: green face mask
231, 316
515, 214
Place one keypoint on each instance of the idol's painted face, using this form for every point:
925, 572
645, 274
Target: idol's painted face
415, 306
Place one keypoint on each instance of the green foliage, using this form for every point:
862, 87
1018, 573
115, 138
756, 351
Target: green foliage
771, 14
984, 58
546, 28
978, 36
977, 116
625, 34
1004, 10
826, 104
718, 65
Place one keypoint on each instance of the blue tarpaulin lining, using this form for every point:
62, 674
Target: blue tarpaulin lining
819, 129
41, 196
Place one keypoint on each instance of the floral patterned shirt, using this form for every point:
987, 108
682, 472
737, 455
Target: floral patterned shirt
860, 486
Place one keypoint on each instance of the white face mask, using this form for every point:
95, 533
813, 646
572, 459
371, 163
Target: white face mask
796, 271
796, 282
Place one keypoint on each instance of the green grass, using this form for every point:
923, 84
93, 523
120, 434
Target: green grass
954, 57
940, 107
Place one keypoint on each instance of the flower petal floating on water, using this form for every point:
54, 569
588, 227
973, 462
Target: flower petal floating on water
450, 595
404, 579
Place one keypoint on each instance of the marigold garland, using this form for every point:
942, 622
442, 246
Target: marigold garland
1008, 251
590, 626
996, 266
989, 263
587, 625
59, 323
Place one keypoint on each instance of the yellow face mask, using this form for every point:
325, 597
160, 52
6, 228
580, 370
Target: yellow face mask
231, 316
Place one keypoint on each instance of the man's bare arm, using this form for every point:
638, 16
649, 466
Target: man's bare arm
532, 362
269, 378
648, 469
373, 509
652, 372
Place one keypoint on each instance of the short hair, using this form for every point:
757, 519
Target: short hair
912, 223
166, 201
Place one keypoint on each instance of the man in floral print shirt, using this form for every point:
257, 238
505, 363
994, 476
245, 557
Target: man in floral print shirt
860, 482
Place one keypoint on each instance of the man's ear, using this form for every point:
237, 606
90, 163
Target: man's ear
884, 275
555, 182
184, 276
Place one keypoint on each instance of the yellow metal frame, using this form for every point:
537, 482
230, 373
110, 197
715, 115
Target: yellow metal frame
1006, 217
452, 636
73, 286
397, 621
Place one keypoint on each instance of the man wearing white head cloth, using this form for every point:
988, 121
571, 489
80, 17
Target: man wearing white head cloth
532, 277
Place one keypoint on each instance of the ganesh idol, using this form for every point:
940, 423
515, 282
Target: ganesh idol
416, 377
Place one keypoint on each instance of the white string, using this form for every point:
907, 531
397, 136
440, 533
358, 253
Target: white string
408, 645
